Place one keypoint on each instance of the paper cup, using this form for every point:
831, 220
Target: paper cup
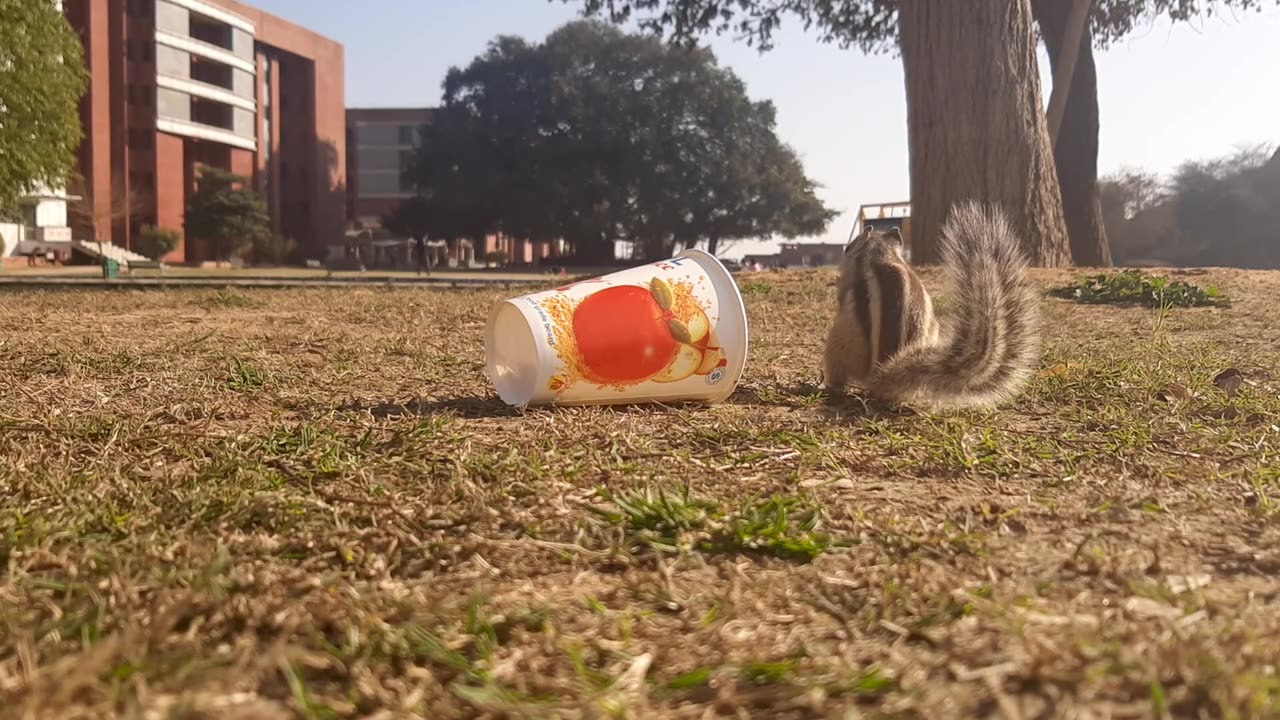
669, 331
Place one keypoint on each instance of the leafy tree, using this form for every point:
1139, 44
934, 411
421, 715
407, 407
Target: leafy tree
1220, 211
155, 242
411, 218
457, 183
273, 248
875, 27
225, 212
89, 221
595, 136
1226, 209
41, 80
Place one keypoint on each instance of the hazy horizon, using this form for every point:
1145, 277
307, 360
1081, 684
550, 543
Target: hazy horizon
1167, 94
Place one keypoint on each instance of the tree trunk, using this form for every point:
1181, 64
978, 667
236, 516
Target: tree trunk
593, 251
976, 125
657, 248
1076, 152
713, 244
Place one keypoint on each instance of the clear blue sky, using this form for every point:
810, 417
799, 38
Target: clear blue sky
1167, 94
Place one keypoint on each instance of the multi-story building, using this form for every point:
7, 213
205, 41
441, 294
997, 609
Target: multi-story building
176, 84
380, 144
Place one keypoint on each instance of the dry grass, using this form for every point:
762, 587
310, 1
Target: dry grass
309, 504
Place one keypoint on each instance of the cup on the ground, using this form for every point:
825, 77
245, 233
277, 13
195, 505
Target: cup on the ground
670, 331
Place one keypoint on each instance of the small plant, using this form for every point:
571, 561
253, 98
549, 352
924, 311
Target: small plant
273, 249
1135, 287
156, 242
244, 377
781, 527
228, 298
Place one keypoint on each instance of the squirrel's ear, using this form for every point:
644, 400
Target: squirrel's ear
894, 234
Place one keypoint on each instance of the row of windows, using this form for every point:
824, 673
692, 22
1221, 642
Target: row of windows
382, 135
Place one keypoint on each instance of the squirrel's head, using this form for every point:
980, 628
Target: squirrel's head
876, 241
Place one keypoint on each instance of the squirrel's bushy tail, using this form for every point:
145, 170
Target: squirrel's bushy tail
990, 339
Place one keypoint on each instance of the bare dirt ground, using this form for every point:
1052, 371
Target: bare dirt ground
277, 504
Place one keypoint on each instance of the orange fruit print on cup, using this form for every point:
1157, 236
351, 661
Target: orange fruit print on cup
623, 335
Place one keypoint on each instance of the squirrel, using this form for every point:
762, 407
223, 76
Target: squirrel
887, 339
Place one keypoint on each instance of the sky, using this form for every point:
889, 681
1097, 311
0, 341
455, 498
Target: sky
1167, 93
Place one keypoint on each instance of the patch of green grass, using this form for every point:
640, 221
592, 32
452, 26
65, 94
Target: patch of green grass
1135, 287
244, 376
871, 681
228, 299
783, 527
692, 679
768, 673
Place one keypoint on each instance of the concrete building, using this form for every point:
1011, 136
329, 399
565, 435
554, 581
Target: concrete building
799, 255
380, 143
42, 232
175, 84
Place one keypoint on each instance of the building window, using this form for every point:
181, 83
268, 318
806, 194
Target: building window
406, 135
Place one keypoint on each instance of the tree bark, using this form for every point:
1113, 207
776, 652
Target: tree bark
976, 125
1076, 153
593, 251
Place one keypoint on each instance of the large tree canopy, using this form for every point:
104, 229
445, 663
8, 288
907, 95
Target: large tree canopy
874, 26
595, 135
41, 80
870, 25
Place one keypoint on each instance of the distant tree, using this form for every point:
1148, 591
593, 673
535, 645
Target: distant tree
224, 211
1220, 211
273, 249
1227, 210
595, 136
410, 219
83, 214
456, 169
875, 26
155, 242
41, 80
1126, 200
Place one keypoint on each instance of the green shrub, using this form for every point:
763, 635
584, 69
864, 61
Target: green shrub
156, 242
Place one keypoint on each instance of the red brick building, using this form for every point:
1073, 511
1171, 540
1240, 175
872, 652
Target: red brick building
179, 83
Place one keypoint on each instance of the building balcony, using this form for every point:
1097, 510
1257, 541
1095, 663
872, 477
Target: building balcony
200, 131
199, 89
205, 50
